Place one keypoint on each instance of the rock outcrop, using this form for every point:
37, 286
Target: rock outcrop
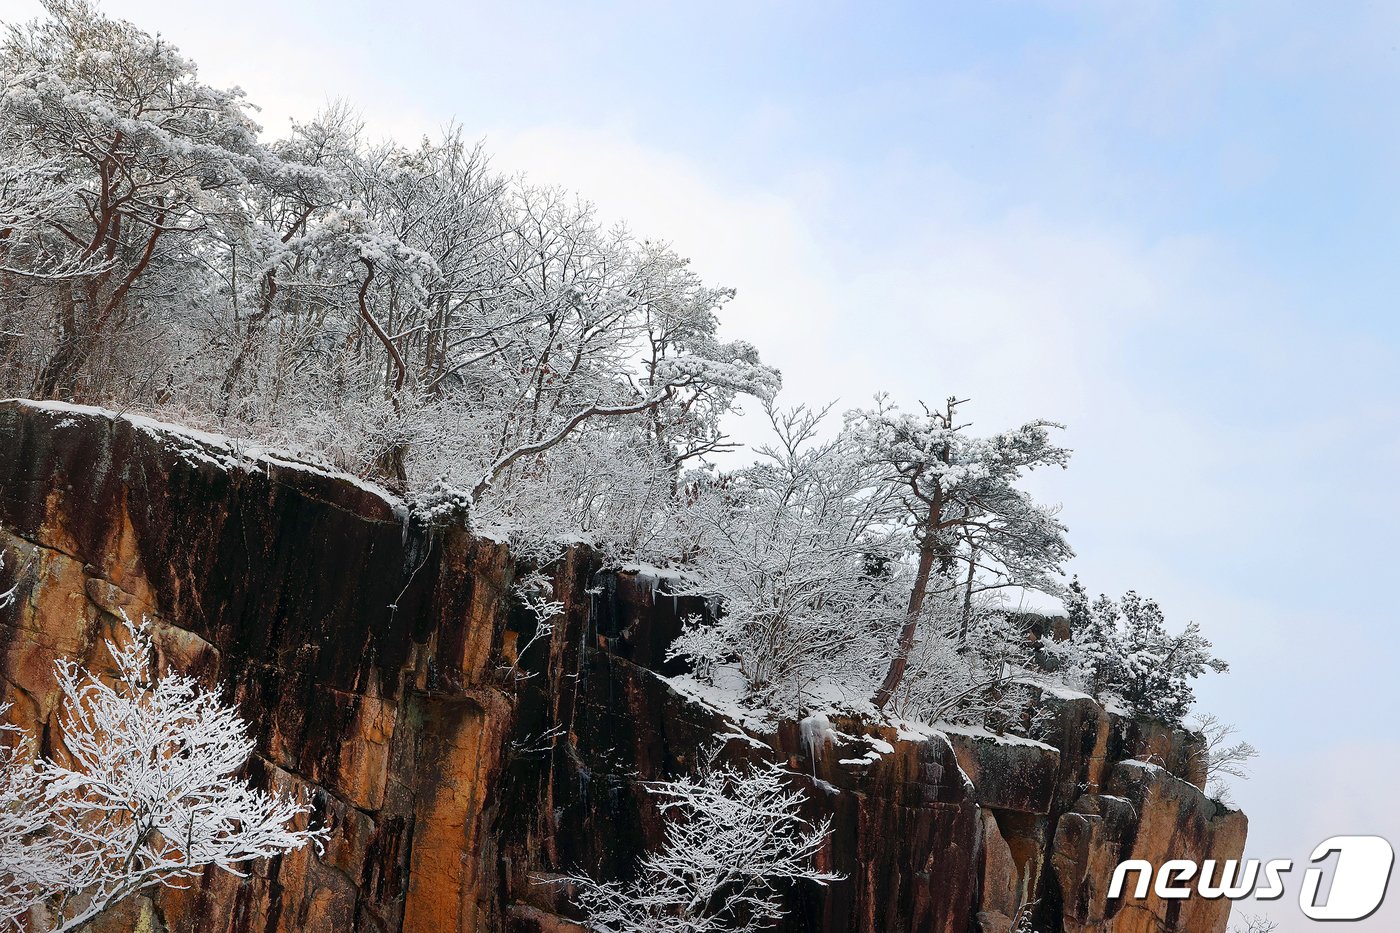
461, 762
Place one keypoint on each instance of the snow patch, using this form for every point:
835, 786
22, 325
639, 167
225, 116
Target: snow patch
61, 407
652, 576
205, 448
880, 745
739, 735
910, 731
1056, 689
725, 697
983, 735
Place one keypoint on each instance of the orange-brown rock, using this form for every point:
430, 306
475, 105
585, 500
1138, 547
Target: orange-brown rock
461, 764
1144, 812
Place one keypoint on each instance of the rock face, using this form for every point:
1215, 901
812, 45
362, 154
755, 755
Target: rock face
461, 761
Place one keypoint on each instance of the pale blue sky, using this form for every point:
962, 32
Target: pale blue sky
1171, 227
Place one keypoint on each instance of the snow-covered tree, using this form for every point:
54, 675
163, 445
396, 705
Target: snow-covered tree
143, 790
980, 676
496, 326
1092, 657
968, 516
798, 554
1131, 655
401, 311
139, 155
734, 838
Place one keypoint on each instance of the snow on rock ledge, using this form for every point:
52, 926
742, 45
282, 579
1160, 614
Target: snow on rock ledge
222, 453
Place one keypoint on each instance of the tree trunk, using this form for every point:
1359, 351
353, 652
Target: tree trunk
56, 368
967, 595
928, 553
79, 342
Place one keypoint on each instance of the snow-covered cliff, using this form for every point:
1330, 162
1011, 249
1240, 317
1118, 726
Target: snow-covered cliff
380, 661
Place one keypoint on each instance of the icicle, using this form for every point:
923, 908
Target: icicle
817, 734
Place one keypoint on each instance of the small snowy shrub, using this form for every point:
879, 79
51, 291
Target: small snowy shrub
147, 793
733, 838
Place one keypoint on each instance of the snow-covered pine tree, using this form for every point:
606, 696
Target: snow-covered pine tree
127, 154
1131, 655
967, 515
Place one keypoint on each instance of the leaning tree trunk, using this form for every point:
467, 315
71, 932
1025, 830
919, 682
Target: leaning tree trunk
928, 553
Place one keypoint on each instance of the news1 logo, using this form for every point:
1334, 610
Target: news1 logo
1359, 879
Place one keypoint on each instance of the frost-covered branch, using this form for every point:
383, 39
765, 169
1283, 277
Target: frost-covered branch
33, 862
535, 592
1221, 757
7, 597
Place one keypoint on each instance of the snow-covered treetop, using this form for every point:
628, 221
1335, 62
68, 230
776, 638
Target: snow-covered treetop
935, 456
